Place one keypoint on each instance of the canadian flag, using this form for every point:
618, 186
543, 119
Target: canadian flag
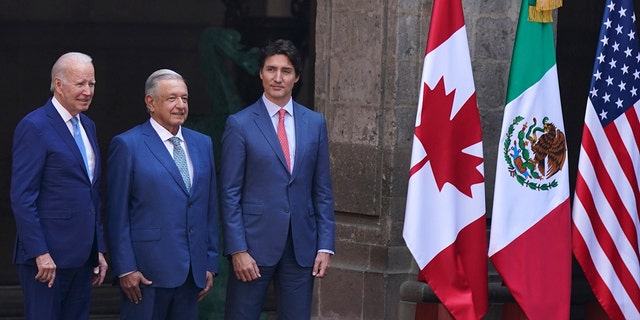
445, 227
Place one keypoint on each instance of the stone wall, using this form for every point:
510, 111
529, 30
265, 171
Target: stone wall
368, 65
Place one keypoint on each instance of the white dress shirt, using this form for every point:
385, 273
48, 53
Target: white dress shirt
289, 124
165, 135
66, 116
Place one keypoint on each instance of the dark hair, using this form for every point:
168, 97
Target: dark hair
282, 46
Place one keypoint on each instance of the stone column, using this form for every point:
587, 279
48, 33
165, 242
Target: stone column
368, 65
367, 70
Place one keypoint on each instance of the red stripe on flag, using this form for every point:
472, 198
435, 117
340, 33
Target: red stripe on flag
605, 215
606, 241
634, 123
605, 180
600, 288
608, 177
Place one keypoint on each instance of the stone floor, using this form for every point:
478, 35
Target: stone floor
105, 305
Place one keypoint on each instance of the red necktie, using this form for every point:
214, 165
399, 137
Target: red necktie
282, 136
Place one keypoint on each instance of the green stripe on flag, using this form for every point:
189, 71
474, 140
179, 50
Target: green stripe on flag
533, 54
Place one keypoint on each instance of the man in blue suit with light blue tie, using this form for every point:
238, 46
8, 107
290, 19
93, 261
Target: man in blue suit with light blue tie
277, 202
55, 197
162, 215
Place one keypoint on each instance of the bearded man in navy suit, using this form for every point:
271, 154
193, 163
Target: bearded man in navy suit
162, 215
55, 197
277, 202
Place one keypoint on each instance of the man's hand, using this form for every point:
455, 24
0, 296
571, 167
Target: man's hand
207, 286
100, 271
46, 269
130, 285
245, 267
321, 266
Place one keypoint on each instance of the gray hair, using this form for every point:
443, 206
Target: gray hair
63, 63
154, 78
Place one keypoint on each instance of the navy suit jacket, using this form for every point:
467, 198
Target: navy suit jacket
261, 199
154, 225
56, 206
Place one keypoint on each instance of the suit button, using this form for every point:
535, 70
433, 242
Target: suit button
286, 210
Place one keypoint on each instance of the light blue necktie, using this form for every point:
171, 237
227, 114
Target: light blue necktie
77, 135
181, 161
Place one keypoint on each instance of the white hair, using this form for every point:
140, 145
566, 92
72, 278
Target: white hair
64, 62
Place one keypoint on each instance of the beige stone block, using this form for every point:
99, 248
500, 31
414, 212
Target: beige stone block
340, 295
356, 59
355, 178
353, 124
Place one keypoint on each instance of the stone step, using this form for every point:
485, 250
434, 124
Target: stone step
10, 302
105, 303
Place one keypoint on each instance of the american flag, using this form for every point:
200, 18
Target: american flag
605, 209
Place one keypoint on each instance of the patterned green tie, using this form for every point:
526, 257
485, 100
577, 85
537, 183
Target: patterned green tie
181, 161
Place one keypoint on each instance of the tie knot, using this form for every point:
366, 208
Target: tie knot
74, 121
175, 141
282, 112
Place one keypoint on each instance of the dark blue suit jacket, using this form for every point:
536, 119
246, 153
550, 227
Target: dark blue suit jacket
261, 199
154, 225
56, 206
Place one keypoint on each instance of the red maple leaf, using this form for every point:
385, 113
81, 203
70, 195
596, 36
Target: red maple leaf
444, 139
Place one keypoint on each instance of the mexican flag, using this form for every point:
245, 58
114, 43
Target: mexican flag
530, 242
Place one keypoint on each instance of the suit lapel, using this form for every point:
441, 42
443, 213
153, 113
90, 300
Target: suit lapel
300, 122
93, 140
194, 155
65, 135
159, 151
263, 121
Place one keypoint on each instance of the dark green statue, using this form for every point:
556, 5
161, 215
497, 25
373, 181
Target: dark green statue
222, 58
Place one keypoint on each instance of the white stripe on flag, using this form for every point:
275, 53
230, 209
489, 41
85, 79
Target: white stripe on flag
613, 243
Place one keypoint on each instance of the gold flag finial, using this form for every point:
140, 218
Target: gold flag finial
542, 10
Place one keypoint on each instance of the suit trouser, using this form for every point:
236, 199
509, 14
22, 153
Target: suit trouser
293, 288
179, 303
68, 298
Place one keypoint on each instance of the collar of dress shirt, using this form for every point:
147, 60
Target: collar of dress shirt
66, 116
164, 133
273, 108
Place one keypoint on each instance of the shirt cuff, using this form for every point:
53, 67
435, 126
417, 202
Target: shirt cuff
126, 273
